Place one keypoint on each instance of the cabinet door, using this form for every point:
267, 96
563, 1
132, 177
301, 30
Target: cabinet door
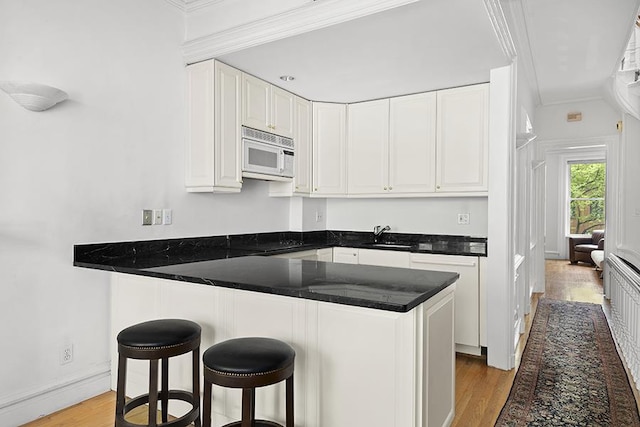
345, 255
462, 139
368, 147
199, 144
383, 258
256, 103
412, 144
302, 141
325, 255
282, 112
467, 299
227, 131
213, 140
329, 145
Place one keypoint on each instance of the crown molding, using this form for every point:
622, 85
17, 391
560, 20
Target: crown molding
311, 16
191, 5
499, 23
520, 32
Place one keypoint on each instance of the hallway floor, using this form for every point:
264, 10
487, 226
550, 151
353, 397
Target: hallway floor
482, 390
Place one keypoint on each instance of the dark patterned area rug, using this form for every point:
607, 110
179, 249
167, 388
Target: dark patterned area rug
570, 373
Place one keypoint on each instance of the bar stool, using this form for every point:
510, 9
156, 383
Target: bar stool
248, 363
159, 340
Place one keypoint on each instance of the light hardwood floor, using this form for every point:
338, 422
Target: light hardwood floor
480, 390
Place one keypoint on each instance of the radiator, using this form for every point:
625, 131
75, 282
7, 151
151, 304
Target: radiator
624, 289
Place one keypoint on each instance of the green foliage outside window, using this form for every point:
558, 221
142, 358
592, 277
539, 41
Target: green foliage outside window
586, 205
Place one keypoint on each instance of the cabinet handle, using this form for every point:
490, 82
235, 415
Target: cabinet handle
390, 188
385, 188
438, 187
315, 189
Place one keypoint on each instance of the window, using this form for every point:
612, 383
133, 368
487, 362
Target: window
586, 197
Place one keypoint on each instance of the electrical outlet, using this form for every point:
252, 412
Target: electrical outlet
66, 353
318, 216
157, 216
463, 218
167, 216
147, 217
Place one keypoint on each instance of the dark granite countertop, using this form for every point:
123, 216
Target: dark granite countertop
384, 288
232, 261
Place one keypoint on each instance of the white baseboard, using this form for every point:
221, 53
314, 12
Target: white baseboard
552, 255
44, 402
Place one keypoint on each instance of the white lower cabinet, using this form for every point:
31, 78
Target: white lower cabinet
467, 318
345, 255
355, 366
383, 258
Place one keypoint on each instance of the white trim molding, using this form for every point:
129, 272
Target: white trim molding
501, 28
191, 5
51, 398
309, 17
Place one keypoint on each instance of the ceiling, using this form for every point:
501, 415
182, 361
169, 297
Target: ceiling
405, 50
574, 45
569, 49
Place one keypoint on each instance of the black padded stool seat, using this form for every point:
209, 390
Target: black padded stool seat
159, 340
248, 363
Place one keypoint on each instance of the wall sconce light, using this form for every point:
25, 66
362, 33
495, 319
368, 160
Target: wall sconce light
33, 96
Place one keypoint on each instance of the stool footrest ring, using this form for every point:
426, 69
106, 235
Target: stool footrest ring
258, 423
143, 399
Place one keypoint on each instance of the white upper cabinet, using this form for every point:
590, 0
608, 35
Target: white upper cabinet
329, 149
412, 143
267, 107
213, 143
368, 147
462, 139
391, 145
302, 141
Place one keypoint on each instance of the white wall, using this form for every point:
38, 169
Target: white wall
598, 119
82, 172
421, 215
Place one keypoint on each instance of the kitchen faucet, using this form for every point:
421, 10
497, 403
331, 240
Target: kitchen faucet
378, 230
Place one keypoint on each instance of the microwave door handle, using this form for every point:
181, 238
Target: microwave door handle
281, 161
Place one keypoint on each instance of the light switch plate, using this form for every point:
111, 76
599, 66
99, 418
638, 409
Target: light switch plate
157, 216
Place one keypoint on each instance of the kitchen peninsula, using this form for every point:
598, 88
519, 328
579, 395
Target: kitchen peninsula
374, 344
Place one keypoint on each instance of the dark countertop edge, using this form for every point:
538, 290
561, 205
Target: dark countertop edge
298, 293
